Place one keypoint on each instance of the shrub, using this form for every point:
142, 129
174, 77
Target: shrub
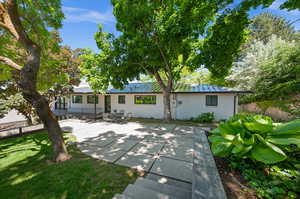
270, 181
241, 116
255, 137
204, 118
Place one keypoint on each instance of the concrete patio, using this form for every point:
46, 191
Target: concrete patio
162, 149
165, 152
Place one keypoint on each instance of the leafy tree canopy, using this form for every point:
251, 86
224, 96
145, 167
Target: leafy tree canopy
265, 25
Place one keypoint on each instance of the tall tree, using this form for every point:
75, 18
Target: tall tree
160, 38
265, 25
58, 74
27, 23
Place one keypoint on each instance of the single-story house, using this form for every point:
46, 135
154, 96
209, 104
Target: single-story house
145, 100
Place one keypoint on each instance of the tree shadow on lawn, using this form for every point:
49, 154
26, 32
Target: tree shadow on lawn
25, 172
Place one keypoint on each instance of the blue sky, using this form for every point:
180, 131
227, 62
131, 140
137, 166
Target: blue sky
81, 19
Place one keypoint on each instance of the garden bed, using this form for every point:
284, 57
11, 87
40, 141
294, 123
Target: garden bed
260, 174
234, 184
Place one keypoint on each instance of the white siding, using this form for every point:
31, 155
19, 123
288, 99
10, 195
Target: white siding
194, 104
85, 107
191, 105
139, 110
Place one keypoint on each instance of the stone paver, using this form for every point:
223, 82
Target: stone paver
164, 150
139, 161
123, 145
180, 153
206, 179
173, 168
169, 181
148, 147
109, 155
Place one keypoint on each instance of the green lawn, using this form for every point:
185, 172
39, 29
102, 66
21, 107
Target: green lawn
25, 172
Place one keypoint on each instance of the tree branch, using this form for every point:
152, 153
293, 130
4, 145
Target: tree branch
5, 21
160, 81
23, 38
10, 63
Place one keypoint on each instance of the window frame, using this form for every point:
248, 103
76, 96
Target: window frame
97, 99
208, 101
74, 101
136, 96
121, 96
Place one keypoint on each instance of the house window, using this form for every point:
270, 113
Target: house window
121, 99
77, 99
211, 100
91, 99
145, 99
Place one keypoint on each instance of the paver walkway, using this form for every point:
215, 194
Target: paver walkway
162, 149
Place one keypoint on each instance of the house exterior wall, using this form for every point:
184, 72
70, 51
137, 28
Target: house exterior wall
184, 106
139, 110
85, 107
192, 105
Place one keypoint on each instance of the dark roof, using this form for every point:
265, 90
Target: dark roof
154, 88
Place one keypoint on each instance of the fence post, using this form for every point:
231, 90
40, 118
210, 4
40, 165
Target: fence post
20, 130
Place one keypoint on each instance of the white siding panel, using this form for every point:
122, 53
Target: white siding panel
191, 105
139, 110
194, 104
85, 107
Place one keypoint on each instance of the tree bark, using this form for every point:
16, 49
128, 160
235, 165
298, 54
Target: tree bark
28, 81
44, 112
167, 106
28, 118
166, 90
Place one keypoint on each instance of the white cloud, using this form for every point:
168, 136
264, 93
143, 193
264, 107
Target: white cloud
75, 15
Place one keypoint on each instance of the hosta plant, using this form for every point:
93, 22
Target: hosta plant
255, 137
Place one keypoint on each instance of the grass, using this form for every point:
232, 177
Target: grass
25, 172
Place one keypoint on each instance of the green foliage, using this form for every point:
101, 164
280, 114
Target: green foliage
40, 21
272, 182
3, 109
162, 38
255, 137
269, 63
204, 118
279, 76
217, 52
265, 25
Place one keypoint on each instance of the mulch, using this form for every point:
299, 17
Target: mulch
234, 184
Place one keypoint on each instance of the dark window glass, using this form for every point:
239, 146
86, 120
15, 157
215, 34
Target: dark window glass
77, 99
211, 100
91, 99
145, 99
121, 99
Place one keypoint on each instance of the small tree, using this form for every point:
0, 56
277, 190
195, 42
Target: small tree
26, 23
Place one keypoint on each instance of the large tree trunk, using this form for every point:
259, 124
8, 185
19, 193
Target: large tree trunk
28, 81
51, 124
28, 88
167, 106
166, 90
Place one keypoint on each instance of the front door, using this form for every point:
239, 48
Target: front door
107, 104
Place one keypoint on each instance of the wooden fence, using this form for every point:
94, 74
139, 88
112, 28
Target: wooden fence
19, 131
